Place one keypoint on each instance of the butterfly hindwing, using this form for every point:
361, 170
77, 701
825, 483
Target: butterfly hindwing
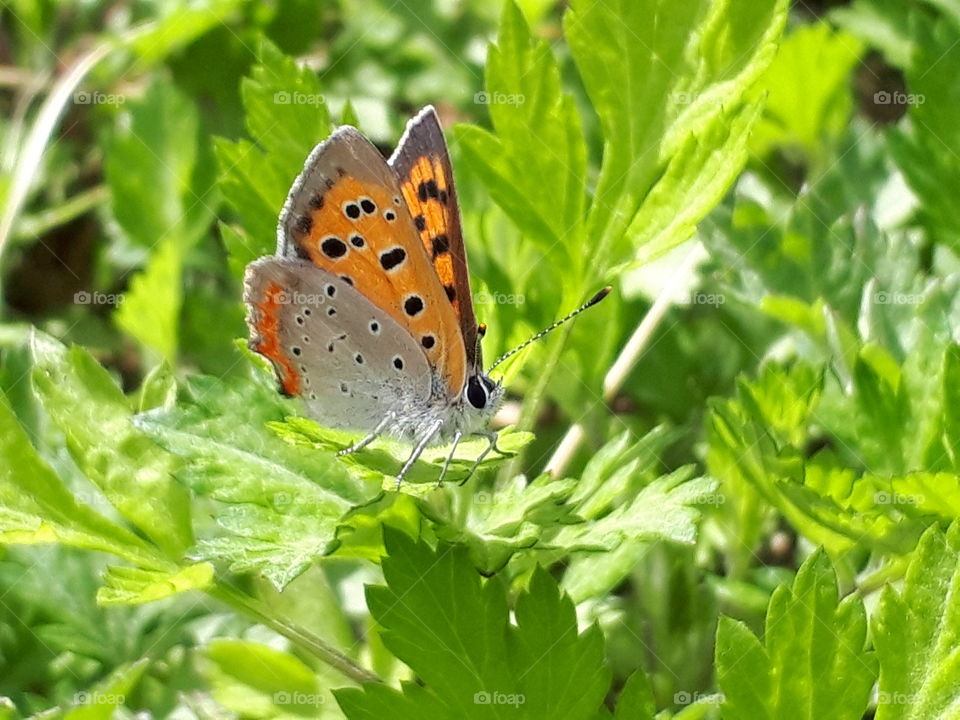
422, 163
346, 358
346, 214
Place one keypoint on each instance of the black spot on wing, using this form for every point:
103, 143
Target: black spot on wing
440, 244
333, 247
392, 258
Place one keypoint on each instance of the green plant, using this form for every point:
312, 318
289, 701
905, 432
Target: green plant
728, 491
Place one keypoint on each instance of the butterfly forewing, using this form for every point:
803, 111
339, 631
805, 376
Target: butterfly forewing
426, 178
346, 358
346, 214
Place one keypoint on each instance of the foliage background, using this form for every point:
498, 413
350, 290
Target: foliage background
753, 442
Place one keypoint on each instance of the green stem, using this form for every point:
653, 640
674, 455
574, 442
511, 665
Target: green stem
302, 638
892, 571
43, 222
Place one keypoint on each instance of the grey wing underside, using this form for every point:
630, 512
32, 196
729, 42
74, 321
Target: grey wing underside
355, 363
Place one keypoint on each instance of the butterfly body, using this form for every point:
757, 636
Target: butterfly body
365, 310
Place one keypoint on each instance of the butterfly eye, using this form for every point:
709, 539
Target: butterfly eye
477, 393
488, 384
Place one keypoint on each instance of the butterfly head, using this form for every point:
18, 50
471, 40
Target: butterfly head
479, 400
482, 393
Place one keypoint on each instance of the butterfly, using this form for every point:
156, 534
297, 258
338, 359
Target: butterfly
365, 311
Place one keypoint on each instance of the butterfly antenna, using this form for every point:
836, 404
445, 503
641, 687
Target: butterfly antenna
588, 304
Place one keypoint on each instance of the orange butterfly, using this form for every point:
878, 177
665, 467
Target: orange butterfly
365, 311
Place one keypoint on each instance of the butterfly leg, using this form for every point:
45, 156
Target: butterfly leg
492, 438
457, 435
363, 442
431, 432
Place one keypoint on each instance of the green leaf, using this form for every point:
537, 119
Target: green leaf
381, 460
134, 474
534, 162
916, 631
279, 505
161, 185
134, 586
453, 630
256, 680
103, 700
178, 25
820, 61
158, 389
35, 506
635, 701
921, 145
610, 509
494, 525
663, 510
812, 662
883, 24
150, 311
670, 85
815, 250
286, 115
